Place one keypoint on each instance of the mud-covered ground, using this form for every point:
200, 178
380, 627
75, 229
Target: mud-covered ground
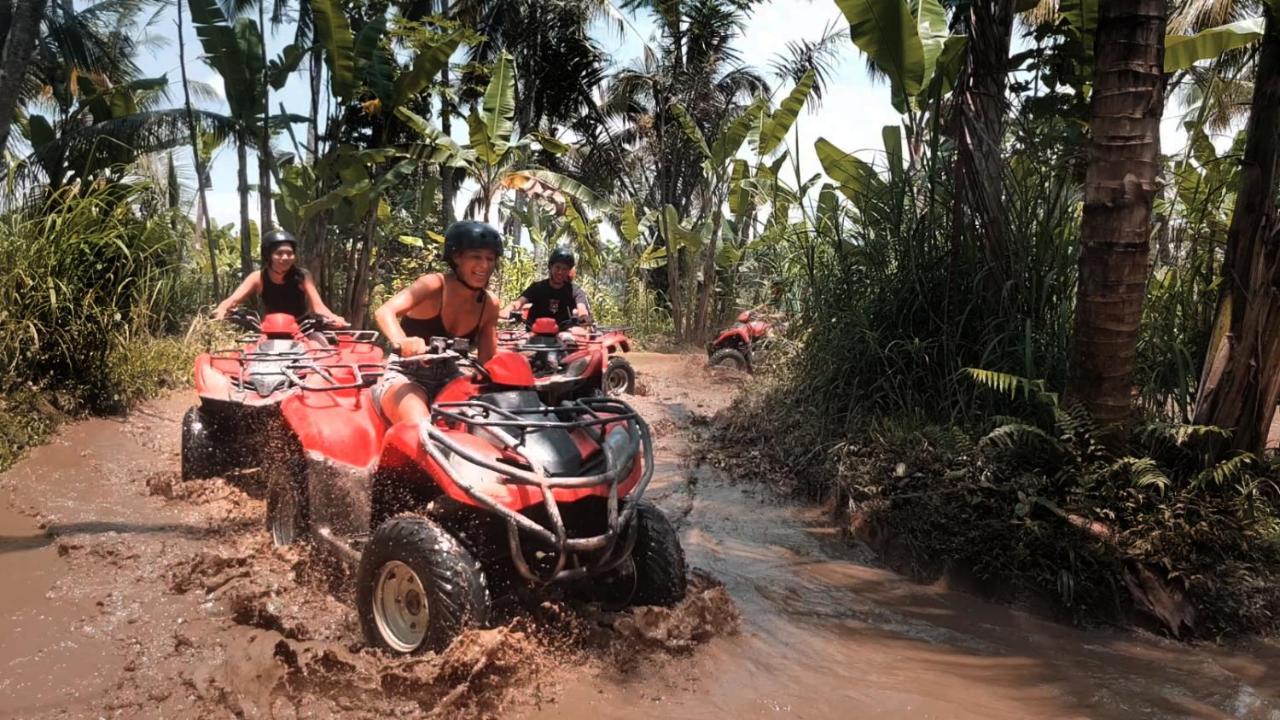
140, 595
126, 593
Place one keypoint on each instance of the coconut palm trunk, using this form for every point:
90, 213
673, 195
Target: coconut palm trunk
1241, 379
246, 243
203, 224
17, 43
264, 151
1124, 159
980, 119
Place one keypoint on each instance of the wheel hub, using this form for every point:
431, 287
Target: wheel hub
400, 607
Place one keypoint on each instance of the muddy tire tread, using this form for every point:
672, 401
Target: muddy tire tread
458, 593
279, 479
617, 362
739, 359
661, 574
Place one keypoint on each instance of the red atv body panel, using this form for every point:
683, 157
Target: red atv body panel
343, 428
742, 333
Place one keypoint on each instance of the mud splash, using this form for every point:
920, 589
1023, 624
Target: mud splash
141, 596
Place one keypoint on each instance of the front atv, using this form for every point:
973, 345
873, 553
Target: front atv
497, 493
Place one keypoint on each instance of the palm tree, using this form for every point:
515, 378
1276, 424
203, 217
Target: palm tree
697, 69
560, 64
979, 120
1124, 159
1241, 379
21, 21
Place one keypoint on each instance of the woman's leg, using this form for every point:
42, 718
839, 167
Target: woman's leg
404, 402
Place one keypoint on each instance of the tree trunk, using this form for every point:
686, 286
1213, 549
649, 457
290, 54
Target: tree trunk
699, 330
1241, 379
313, 121
980, 115
19, 42
358, 303
202, 199
448, 176
264, 151
246, 242
1124, 159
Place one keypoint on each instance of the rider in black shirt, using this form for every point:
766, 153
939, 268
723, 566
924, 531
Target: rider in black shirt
556, 297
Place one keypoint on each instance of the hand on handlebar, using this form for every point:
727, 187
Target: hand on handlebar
410, 347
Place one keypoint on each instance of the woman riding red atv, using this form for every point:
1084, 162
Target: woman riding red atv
284, 287
455, 304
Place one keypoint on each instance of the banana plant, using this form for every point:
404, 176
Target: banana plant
910, 43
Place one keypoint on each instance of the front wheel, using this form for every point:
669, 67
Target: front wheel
287, 517
657, 558
201, 458
417, 587
729, 358
619, 377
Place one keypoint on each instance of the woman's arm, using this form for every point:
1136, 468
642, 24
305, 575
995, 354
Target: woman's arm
317, 303
387, 316
251, 286
487, 334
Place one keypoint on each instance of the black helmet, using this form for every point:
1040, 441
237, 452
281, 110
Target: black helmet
470, 235
273, 240
562, 256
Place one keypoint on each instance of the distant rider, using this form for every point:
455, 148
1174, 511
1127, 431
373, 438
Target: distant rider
283, 286
555, 297
455, 304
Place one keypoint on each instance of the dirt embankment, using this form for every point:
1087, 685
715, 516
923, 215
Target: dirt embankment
142, 595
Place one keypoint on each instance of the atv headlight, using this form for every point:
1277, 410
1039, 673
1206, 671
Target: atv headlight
576, 368
617, 443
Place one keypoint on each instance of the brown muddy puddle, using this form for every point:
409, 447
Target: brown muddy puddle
128, 594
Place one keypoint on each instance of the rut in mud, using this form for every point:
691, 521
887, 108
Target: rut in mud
141, 596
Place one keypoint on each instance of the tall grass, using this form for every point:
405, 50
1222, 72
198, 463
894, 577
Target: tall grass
90, 290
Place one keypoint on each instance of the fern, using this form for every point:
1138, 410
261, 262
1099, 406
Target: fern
1015, 436
1009, 384
1179, 434
1142, 472
1231, 470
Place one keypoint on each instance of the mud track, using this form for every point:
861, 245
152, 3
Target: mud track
130, 594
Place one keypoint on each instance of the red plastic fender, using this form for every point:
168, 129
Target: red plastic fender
341, 425
545, 326
279, 326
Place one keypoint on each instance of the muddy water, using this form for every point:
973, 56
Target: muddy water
127, 594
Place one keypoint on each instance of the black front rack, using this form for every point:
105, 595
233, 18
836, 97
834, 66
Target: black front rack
509, 427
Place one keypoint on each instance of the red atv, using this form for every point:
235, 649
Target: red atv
495, 489
741, 345
571, 360
240, 390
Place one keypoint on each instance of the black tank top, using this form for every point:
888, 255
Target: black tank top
427, 328
286, 297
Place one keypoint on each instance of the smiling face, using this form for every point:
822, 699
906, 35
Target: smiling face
558, 274
283, 258
475, 267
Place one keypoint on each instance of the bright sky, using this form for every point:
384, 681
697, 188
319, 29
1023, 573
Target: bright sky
851, 115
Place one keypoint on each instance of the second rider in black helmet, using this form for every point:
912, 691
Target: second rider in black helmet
284, 287
556, 297
456, 304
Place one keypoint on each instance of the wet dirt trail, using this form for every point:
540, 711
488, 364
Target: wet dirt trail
129, 594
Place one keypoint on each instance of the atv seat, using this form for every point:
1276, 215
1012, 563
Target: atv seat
553, 448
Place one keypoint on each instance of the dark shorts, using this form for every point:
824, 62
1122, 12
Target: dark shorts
428, 377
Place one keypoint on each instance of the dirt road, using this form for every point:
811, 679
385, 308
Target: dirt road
129, 594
